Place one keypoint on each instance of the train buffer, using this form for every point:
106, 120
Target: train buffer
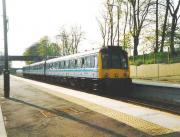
38, 109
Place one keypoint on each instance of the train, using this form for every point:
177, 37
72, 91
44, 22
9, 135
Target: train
100, 69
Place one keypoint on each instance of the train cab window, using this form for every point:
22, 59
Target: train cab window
114, 59
105, 60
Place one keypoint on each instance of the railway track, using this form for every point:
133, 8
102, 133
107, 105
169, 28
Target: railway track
153, 105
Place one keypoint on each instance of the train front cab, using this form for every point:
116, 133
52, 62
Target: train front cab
114, 72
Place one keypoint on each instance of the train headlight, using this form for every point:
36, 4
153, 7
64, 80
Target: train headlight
106, 75
116, 75
125, 74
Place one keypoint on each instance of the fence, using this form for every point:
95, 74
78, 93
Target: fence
165, 72
161, 66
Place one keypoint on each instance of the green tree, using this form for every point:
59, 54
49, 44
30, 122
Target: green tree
31, 51
44, 48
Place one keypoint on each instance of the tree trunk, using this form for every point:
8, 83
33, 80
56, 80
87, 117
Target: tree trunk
173, 28
157, 22
136, 43
164, 27
126, 17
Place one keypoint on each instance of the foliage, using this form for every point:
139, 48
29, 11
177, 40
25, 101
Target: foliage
152, 58
70, 40
32, 51
126, 42
43, 48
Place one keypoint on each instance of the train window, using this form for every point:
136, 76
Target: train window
60, 65
64, 64
87, 62
67, 64
55, 65
82, 62
92, 61
75, 63
48, 66
71, 64
95, 61
51, 65
79, 63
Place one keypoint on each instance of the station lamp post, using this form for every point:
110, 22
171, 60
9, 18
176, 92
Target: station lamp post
118, 10
6, 70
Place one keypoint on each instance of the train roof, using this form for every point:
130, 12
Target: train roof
37, 63
74, 55
66, 57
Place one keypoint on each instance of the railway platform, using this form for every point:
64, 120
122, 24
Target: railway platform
37, 109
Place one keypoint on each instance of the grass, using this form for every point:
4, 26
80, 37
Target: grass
162, 57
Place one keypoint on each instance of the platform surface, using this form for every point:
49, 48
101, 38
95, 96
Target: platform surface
39, 109
156, 83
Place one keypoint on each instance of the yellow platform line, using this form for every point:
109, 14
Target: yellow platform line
137, 123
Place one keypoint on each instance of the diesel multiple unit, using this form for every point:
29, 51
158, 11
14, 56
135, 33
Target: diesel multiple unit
105, 67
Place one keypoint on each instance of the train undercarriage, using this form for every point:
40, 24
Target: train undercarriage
116, 85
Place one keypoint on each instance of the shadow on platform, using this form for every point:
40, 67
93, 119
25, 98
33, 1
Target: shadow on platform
66, 115
174, 134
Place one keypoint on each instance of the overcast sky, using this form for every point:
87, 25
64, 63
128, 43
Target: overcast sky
29, 20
